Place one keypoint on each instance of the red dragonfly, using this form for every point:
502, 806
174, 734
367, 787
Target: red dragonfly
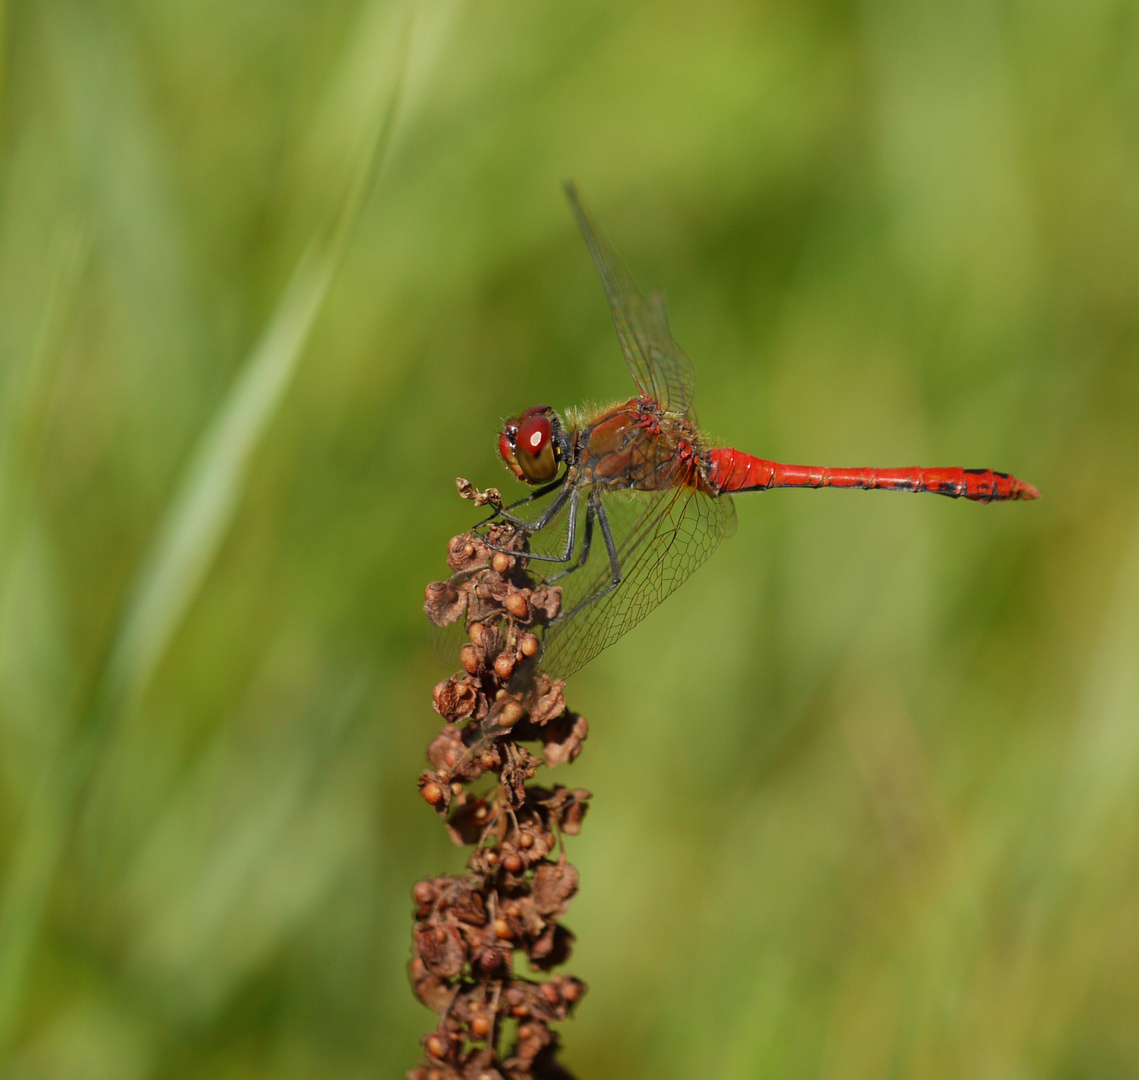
646, 480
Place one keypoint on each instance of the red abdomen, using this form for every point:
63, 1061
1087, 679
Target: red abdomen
733, 470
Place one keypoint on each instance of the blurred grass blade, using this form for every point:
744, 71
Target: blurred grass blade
205, 504
1104, 763
24, 413
219, 884
185, 545
22, 425
3, 59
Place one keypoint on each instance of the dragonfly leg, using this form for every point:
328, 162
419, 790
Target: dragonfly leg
611, 547
596, 510
587, 539
502, 513
571, 528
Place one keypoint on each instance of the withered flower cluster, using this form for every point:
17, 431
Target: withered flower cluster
495, 1024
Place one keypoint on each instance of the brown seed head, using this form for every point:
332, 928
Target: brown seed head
492, 960
466, 553
455, 699
444, 603
510, 714
504, 665
480, 1026
547, 599
468, 928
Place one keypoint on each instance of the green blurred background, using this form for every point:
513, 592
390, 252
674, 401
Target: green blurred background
866, 789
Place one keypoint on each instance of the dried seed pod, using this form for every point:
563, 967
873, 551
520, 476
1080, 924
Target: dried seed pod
468, 928
480, 1025
441, 949
444, 602
455, 700
493, 960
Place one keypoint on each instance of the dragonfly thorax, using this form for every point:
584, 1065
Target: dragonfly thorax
533, 445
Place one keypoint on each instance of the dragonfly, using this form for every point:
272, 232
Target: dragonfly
629, 500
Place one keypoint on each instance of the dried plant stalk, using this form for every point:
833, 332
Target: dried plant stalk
493, 1023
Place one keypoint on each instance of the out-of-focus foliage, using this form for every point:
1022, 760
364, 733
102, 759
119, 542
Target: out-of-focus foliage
866, 789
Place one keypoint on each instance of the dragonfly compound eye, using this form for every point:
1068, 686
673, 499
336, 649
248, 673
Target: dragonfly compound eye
534, 434
506, 443
534, 448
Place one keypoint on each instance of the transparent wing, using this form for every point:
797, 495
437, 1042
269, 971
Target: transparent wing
657, 363
660, 537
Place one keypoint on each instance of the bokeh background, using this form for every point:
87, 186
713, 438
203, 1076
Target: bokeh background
866, 789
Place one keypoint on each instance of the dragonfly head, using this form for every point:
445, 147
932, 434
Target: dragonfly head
532, 446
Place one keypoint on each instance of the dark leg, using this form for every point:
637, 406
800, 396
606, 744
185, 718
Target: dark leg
590, 517
503, 512
544, 520
541, 493
596, 510
611, 547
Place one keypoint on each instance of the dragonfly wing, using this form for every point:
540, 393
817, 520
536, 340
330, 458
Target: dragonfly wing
657, 363
660, 537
